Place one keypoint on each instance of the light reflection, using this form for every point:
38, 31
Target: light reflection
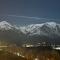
18, 54
36, 59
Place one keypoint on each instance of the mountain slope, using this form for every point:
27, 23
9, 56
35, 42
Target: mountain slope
34, 33
45, 28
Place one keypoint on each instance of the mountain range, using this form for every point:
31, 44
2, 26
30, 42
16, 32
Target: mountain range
48, 32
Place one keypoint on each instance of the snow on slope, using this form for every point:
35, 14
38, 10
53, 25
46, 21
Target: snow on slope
51, 24
37, 28
33, 29
5, 25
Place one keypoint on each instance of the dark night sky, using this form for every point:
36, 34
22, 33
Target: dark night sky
30, 11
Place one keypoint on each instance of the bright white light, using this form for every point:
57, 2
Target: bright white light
18, 54
36, 59
57, 48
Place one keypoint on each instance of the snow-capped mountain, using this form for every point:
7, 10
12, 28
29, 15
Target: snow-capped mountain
44, 28
33, 33
5, 25
33, 29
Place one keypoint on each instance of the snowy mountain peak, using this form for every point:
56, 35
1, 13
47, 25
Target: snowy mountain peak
51, 24
5, 25
33, 29
44, 28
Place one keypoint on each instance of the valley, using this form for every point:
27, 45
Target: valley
14, 52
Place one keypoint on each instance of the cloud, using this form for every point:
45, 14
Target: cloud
24, 17
30, 17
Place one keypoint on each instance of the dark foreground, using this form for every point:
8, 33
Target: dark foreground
38, 53
8, 56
